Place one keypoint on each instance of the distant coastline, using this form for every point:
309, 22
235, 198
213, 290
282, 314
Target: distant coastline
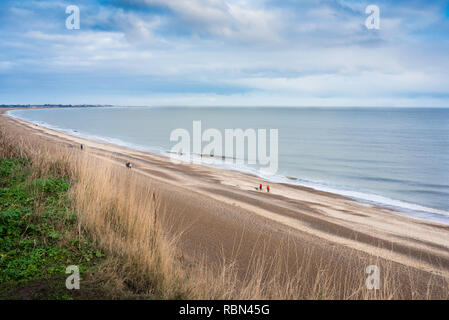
40, 106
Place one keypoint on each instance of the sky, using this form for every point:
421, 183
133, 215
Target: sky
225, 53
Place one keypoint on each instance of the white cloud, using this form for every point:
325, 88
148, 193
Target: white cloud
302, 56
6, 65
246, 21
368, 84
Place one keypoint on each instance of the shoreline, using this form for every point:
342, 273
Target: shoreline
399, 207
312, 217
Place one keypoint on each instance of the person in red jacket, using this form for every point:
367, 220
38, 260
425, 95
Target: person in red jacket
260, 186
268, 188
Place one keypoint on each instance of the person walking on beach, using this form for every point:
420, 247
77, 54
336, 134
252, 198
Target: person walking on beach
82, 147
260, 187
268, 188
128, 165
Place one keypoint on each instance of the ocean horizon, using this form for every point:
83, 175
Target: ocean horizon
393, 157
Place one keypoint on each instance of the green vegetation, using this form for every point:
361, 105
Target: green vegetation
38, 237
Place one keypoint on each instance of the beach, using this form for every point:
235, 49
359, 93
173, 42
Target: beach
219, 213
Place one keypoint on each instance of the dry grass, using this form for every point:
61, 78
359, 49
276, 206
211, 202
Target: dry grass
121, 215
119, 211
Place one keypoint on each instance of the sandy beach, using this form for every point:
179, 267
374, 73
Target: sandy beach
220, 213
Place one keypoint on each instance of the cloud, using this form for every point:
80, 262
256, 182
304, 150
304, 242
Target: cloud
242, 21
226, 52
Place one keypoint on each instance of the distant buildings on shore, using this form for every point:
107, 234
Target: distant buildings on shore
52, 105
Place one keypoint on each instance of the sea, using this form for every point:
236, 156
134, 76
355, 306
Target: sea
392, 157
